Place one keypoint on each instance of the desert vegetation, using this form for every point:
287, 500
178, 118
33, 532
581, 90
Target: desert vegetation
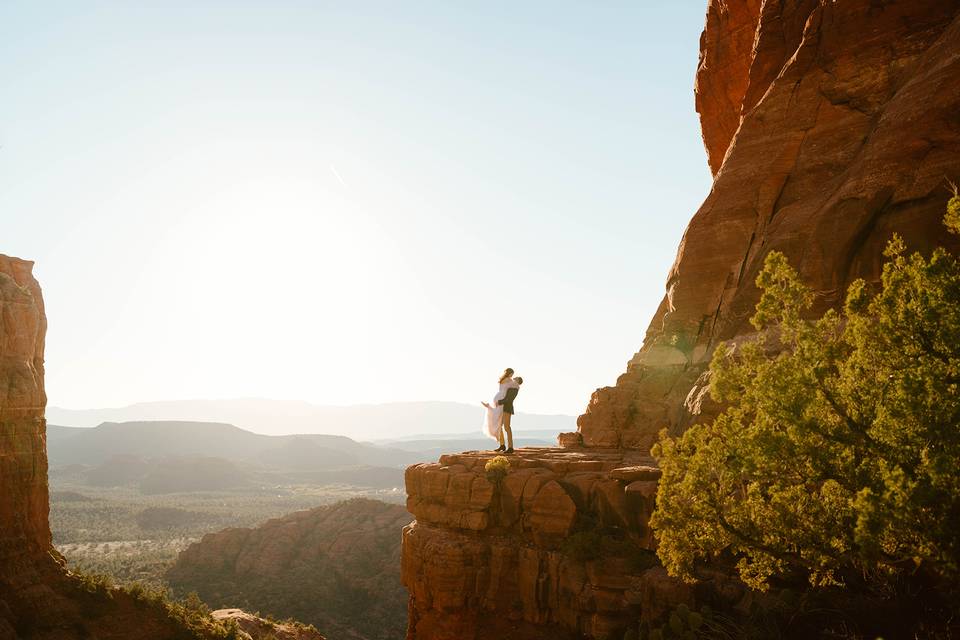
337, 567
133, 538
831, 473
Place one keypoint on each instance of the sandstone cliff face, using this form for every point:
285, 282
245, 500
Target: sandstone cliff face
25, 533
24, 504
558, 548
39, 599
336, 567
829, 126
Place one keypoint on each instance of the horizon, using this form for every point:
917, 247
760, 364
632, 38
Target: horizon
292, 401
287, 248
362, 422
348, 205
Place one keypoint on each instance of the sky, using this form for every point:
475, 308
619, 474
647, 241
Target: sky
346, 202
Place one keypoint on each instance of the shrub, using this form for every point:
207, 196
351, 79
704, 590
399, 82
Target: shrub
191, 614
838, 452
497, 468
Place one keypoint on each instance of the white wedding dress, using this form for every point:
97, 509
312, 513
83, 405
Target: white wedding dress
493, 413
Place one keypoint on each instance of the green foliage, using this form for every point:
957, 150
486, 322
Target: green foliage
952, 219
354, 592
94, 582
190, 613
105, 534
134, 538
497, 468
838, 451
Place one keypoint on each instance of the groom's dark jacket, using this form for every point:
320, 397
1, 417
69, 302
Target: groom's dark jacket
507, 401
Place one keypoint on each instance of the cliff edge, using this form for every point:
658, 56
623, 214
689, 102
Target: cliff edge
828, 126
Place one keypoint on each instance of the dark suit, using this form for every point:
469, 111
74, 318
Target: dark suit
508, 399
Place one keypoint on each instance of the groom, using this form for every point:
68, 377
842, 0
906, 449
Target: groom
507, 403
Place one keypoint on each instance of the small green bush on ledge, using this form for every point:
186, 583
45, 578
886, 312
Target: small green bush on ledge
497, 468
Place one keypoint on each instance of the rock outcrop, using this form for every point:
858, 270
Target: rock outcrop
558, 547
256, 628
39, 598
829, 126
336, 567
25, 541
24, 505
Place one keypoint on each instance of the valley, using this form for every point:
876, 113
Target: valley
131, 537
778, 458
176, 506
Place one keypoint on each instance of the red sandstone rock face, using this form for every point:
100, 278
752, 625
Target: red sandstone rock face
336, 567
24, 530
723, 72
490, 559
829, 126
39, 599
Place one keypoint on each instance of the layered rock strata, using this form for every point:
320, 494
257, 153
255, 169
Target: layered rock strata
39, 599
829, 126
24, 504
516, 557
336, 567
25, 542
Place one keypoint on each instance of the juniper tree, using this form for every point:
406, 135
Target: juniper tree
839, 448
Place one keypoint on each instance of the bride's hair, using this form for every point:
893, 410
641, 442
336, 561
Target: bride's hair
506, 374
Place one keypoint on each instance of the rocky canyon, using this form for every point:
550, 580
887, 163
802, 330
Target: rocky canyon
336, 567
39, 598
828, 127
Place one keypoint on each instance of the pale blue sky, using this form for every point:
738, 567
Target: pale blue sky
346, 202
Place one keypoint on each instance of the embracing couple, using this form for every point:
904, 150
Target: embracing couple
500, 410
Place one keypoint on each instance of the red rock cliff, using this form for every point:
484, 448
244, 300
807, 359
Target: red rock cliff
828, 125
39, 599
336, 567
24, 531
519, 558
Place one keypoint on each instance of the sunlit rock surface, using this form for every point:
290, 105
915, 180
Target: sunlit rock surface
336, 567
828, 126
489, 558
39, 599
255, 628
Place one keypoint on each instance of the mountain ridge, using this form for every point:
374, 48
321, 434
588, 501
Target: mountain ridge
295, 417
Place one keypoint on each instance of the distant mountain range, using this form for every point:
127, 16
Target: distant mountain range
176, 456
393, 421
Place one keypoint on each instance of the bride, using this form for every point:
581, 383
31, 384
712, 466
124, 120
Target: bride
493, 418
